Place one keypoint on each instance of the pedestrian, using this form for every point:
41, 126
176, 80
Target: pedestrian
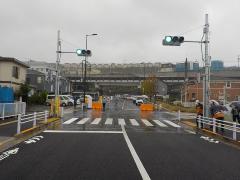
104, 103
216, 111
199, 111
235, 113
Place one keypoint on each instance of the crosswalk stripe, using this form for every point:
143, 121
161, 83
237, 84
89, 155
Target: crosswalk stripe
70, 121
146, 122
172, 124
160, 123
109, 121
134, 122
121, 121
83, 121
96, 121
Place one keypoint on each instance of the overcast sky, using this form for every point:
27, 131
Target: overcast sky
129, 30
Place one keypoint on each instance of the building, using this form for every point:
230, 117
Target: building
42, 76
219, 90
191, 66
12, 72
217, 65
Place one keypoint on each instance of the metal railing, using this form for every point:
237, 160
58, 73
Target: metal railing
216, 124
12, 109
34, 117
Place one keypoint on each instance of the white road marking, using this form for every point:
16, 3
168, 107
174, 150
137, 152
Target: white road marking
191, 132
172, 124
70, 121
109, 121
137, 160
96, 121
146, 122
134, 122
160, 123
6, 154
33, 139
83, 121
123, 104
121, 122
63, 131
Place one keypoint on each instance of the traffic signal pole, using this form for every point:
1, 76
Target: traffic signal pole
206, 77
85, 74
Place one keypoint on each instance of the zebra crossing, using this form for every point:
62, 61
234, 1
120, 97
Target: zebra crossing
121, 121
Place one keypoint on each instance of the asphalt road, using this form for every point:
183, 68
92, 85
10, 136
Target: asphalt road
90, 146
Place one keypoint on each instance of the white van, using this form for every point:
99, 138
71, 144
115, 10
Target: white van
65, 100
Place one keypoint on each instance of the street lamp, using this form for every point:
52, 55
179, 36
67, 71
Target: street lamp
85, 68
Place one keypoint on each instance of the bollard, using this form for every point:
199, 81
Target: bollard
199, 121
19, 124
214, 125
62, 109
235, 131
179, 115
3, 110
34, 119
46, 116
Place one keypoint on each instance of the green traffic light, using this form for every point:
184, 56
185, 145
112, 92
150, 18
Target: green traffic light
168, 39
79, 51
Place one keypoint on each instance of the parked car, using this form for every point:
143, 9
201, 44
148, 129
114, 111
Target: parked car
139, 101
65, 100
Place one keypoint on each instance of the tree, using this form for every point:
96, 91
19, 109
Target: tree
149, 86
23, 92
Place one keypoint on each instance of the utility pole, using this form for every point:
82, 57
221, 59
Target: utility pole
207, 70
238, 60
57, 65
85, 74
185, 81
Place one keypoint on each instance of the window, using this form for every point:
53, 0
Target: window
39, 79
15, 72
228, 84
193, 95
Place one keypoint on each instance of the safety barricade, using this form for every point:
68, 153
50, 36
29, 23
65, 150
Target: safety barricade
146, 107
216, 124
97, 105
34, 117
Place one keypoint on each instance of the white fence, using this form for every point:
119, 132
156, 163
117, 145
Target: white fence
12, 109
34, 117
216, 124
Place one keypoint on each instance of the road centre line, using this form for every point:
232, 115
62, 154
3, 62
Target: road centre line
121, 121
70, 121
101, 132
137, 160
123, 104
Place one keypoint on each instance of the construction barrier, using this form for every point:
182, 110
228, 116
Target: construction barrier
146, 107
96, 105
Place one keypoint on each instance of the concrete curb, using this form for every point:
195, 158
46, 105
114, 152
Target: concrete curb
212, 134
25, 134
36, 128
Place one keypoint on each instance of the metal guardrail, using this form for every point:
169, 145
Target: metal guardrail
12, 109
219, 124
34, 117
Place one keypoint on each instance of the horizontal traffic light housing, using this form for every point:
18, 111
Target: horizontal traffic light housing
83, 52
173, 40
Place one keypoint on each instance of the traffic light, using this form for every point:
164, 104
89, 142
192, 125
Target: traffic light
173, 40
83, 52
